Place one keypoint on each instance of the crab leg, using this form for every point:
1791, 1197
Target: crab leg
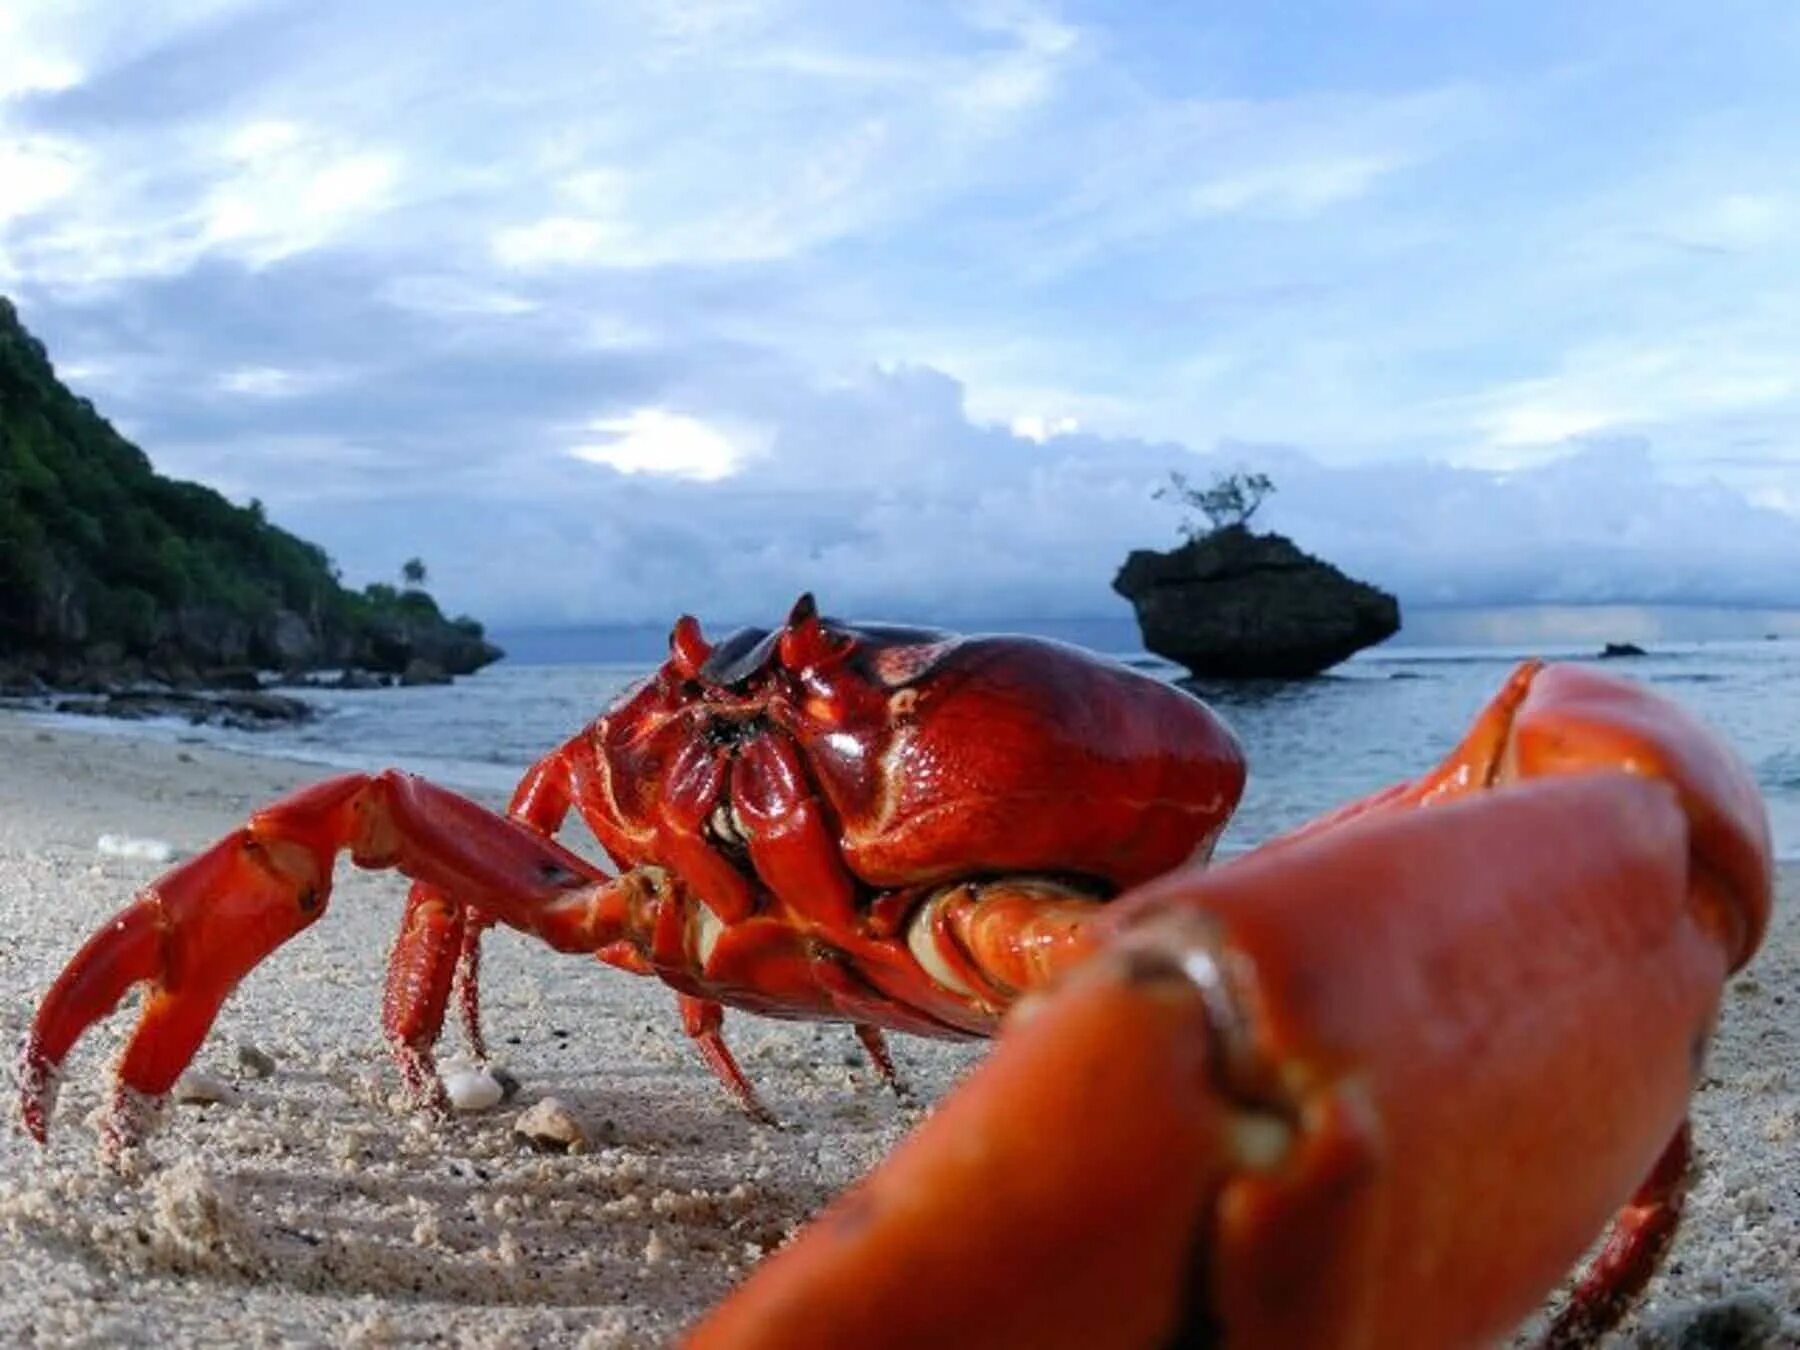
1379, 1085
702, 1019
439, 944
1641, 1236
197, 931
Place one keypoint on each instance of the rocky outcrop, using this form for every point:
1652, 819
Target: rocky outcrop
405, 639
1235, 605
112, 575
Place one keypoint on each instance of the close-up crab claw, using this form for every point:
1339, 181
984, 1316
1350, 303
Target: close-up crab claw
191, 937
1379, 1084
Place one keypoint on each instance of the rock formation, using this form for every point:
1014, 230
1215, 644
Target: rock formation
1235, 605
112, 575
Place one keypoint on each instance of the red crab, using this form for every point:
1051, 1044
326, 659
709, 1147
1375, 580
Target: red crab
893, 827
1375, 1084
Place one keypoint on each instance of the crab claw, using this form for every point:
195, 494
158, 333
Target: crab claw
191, 937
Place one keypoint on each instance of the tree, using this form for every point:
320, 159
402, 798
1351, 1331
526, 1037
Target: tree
412, 572
1230, 501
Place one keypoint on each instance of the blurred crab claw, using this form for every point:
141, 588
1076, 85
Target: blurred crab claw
191, 937
1378, 1083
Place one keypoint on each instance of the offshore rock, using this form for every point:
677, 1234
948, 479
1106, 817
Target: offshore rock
1237, 605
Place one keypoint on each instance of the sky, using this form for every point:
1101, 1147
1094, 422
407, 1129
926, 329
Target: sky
619, 309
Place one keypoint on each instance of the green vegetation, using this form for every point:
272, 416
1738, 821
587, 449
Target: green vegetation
97, 550
1228, 503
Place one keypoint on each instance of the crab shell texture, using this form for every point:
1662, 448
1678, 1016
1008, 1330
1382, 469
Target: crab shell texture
822, 780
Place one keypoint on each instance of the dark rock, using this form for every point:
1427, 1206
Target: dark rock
239, 711
393, 641
1237, 605
361, 679
243, 679
287, 642
1744, 1321
1613, 650
253, 712
420, 671
18, 682
206, 636
104, 655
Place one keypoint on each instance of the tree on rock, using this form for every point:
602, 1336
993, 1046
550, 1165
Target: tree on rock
1232, 604
1231, 500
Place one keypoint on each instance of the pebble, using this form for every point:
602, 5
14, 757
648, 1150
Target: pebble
135, 849
197, 1088
550, 1127
253, 1062
473, 1090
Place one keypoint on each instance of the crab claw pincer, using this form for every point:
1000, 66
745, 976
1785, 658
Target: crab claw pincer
191, 937
1378, 1083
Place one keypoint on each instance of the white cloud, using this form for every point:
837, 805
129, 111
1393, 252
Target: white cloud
656, 441
292, 193
1627, 387
34, 173
1039, 428
271, 382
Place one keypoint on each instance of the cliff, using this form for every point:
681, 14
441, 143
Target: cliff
1232, 604
108, 567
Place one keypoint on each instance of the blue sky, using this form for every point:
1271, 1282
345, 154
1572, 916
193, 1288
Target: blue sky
614, 310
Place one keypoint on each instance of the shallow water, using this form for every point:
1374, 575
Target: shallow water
1377, 718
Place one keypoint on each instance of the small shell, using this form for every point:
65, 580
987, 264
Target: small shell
134, 848
473, 1090
550, 1127
202, 1089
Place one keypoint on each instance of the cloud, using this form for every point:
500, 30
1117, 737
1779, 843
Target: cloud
654, 441
652, 307
928, 515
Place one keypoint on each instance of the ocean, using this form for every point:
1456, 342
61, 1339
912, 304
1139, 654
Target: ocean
1384, 715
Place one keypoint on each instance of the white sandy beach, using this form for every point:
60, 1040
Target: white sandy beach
311, 1212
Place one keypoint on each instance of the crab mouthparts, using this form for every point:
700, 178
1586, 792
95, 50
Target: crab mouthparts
735, 728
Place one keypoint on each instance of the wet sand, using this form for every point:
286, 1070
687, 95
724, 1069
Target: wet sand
312, 1211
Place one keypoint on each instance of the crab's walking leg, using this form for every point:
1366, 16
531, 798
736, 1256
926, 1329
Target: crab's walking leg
198, 930
701, 1018
468, 984
875, 1046
1641, 1235
439, 945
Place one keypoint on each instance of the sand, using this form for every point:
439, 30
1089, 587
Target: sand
313, 1211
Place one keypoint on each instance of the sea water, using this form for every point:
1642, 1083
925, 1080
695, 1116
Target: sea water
1384, 715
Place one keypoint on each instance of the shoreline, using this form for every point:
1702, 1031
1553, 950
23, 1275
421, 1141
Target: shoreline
311, 1212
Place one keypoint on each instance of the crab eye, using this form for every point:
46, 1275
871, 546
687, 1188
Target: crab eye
688, 649
808, 645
